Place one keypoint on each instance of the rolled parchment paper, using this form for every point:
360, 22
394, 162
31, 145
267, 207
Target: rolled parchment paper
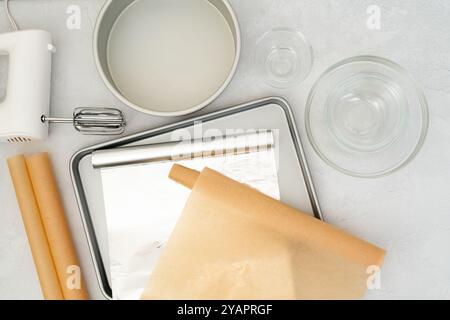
56, 228
34, 228
233, 242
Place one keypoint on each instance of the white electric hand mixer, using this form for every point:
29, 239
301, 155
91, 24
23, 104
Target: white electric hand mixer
24, 110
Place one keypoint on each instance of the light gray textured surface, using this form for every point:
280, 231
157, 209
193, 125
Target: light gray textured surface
408, 213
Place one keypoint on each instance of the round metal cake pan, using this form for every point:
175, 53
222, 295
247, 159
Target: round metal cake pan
172, 94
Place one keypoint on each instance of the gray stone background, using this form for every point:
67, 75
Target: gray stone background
408, 213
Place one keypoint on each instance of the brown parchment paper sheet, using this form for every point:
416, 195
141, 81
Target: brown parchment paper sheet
233, 242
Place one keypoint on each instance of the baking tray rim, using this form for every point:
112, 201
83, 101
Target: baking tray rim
83, 207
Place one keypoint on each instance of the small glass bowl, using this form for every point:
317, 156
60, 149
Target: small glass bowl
283, 57
366, 117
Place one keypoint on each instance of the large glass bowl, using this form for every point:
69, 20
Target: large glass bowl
366, 117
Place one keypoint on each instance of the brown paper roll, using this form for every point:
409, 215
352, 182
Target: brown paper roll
56, 228
184, 176
233, 242
37, 238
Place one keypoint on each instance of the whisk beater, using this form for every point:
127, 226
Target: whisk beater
93, 121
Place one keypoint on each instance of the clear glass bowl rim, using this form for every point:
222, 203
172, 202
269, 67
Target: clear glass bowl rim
420, 96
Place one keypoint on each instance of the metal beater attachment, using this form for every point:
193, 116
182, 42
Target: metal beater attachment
94, 121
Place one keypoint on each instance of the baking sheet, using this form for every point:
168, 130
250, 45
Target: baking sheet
295, 183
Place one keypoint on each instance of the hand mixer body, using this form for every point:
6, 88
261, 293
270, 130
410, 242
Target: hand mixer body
28, 86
